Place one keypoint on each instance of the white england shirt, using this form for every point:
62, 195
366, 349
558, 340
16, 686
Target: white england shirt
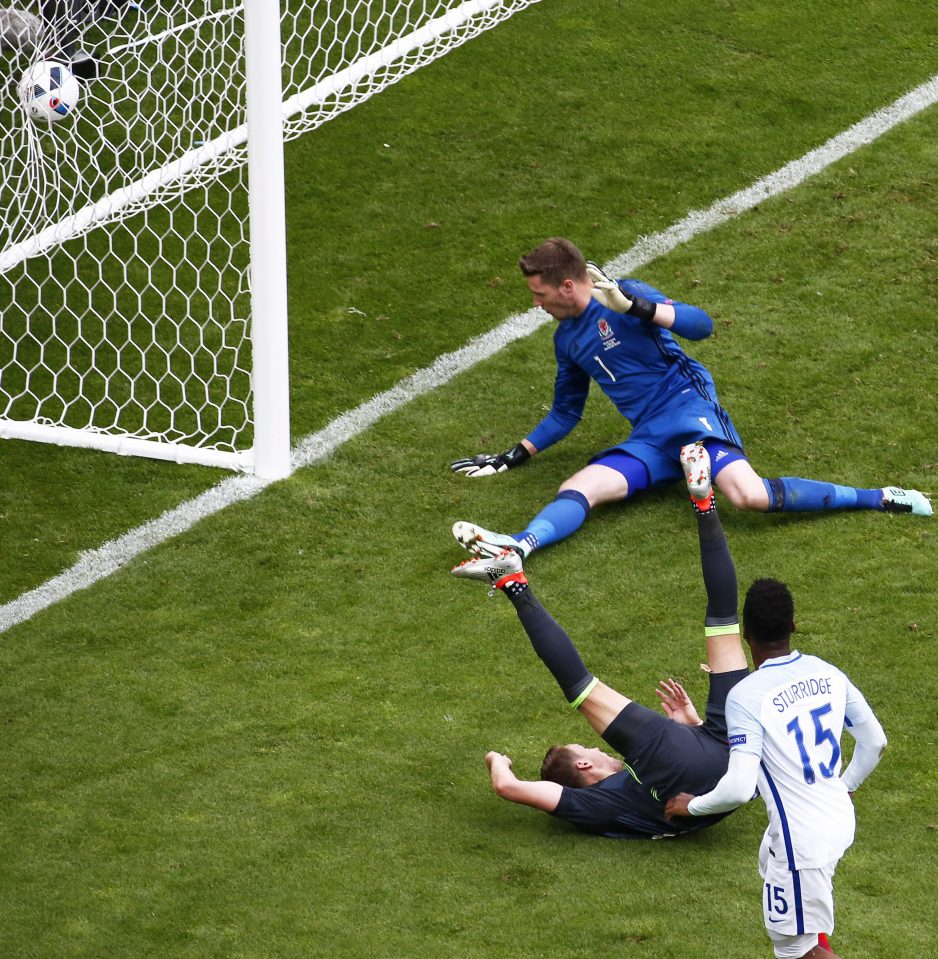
791, 712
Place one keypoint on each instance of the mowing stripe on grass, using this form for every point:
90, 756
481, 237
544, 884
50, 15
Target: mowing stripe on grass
94, 565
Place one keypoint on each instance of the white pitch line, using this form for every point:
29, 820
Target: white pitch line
95, 565
791, 175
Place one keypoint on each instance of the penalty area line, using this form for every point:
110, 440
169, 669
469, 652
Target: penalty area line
92, 566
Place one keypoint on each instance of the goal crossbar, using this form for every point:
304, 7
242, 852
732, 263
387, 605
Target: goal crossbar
109, 207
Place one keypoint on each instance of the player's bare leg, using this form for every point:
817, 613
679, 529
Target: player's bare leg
598, 483
743, 486
819, 952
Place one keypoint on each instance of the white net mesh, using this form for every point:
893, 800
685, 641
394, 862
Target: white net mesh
124, 261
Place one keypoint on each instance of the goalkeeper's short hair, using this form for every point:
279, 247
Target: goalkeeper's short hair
555, 260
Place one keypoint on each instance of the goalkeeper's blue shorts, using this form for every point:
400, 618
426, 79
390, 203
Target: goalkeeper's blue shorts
656, 442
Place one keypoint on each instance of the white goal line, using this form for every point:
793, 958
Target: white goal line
97, 564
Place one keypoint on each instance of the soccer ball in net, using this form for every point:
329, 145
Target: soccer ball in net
49, 92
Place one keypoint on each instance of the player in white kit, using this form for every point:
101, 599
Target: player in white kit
784, 723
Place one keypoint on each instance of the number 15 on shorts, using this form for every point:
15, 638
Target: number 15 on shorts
776, 905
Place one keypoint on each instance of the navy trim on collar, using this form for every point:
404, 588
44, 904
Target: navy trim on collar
779, 661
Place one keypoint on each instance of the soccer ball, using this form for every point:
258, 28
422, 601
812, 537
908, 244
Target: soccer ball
49, 92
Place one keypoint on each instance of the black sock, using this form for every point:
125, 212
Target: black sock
552, 644
513, 588
719, 573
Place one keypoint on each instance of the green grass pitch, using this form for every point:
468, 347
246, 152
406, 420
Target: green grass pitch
265, 738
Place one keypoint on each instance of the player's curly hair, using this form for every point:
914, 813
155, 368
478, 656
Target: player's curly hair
559, 766
768, 612
555, 260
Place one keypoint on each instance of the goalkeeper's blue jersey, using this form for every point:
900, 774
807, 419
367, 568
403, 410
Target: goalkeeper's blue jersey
638, 365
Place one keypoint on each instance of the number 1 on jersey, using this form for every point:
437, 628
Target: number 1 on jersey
606, 368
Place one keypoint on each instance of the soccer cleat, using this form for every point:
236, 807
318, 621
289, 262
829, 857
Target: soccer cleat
695, 461
823, 941
898, 500
483, 542
497, 571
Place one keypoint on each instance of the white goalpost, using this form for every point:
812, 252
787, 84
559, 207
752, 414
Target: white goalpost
143, 287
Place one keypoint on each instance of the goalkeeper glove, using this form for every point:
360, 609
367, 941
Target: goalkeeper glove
485, 464
609, 293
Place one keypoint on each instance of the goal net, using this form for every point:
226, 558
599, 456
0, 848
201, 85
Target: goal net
130, 317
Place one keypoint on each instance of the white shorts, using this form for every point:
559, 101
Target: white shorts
796, 905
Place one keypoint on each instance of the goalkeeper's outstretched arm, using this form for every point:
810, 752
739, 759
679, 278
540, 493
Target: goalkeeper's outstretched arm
488, 464
691, 322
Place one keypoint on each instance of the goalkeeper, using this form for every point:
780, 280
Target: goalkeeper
592, 789
621, 334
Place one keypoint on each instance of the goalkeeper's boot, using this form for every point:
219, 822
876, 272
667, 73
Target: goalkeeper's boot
498, 571
483, 542
695, 461
898, 500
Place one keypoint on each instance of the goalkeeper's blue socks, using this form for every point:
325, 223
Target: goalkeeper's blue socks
792, 494
556, 521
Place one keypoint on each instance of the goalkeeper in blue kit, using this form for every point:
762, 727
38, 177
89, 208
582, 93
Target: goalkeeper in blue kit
621, 335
